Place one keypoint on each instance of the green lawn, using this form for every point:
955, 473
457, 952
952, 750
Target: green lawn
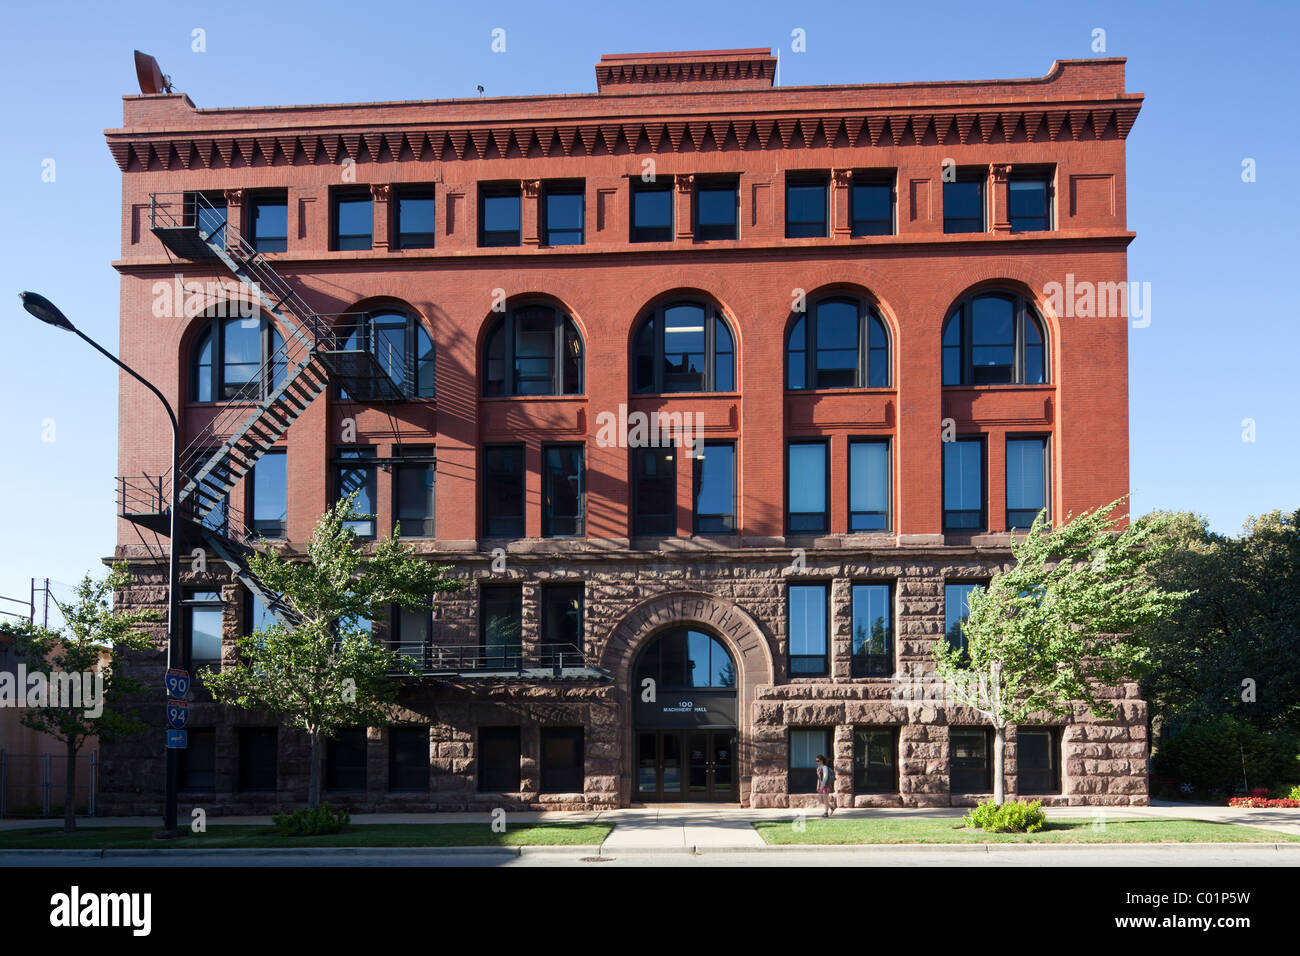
820, 831
370, 835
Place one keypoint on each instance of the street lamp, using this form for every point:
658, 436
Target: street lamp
49, 313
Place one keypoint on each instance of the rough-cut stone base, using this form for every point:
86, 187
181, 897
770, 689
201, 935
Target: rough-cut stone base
739, 595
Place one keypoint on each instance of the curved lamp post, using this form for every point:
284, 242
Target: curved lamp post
49, 313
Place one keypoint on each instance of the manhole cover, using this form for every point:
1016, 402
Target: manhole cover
596, 859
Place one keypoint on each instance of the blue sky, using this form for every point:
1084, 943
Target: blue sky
1222, 345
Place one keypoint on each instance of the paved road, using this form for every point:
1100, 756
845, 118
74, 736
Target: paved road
1163, 855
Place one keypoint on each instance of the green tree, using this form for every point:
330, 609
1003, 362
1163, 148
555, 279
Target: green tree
81, 659
1069, 618
1230, 649
326, 672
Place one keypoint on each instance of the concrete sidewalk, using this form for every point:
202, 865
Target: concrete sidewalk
683, 827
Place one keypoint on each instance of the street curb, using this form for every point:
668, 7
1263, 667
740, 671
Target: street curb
606, 852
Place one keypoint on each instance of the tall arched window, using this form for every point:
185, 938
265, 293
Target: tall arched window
994, 338
840, 343
236, 360
535, 350
683, 347
401, 345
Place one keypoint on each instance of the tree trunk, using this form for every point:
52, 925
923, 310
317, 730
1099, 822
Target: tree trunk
70, 791
313, 789
999, 755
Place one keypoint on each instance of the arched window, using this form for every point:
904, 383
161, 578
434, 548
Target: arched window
683, 347
994, 338
840, 343
401, 345
535, 350
686, 659
236, 360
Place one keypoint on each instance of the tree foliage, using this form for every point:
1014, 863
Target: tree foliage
1230, 649
327, 672
90, 642
1071, 617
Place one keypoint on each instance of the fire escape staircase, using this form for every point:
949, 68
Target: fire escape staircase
310, 355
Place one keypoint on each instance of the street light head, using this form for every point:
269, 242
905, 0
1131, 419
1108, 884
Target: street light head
45, 310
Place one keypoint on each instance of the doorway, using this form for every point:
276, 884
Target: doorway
681, 766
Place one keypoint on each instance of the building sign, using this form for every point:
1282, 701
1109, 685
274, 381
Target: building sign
688, 708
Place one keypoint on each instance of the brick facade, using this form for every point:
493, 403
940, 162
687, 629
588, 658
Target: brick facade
722, 116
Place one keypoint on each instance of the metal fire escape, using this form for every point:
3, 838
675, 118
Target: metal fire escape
219, 454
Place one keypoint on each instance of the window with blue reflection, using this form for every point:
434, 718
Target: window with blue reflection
869, 485
806, 488
1029, 202
956, 608
825, 349
356, 474
872, 207
270, 491
1026, 480
963, 485
963, 204
684, 659
499, 214
563, 215
353, 220
805, 206
807, 627
268, 225
994, 338
873, 644
416, 221
715, 489
652, 211
715, 209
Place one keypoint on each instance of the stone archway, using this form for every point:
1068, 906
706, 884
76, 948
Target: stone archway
732, 625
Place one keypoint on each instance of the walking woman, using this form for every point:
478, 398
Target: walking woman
825, 784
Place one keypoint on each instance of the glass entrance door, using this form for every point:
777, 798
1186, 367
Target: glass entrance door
678, 766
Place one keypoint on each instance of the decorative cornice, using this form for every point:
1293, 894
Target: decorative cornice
201, 150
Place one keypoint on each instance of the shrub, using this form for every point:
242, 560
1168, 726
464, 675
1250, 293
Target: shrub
1210, 755
1295, 792
1011, 817
308, 822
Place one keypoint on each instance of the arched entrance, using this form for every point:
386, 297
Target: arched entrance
684, 708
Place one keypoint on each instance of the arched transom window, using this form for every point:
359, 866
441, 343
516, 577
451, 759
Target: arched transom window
683, 346
994, 338
534, 350
839, 343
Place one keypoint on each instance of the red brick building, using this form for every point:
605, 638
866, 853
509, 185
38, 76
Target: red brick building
469, 306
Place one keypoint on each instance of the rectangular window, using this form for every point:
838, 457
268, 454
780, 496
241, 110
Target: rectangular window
498, 759
806, 744
414, 486
408, 759
873, 630
208, 212
563, 218
1026, 480
956, 608
1038, 760
498, 214
715, 489
268, 222
352, 219
963, 202
202, 616
970, 761
354, 471
411, 631
654, 491
716, 204
807, 487
652, 211
501, 616
345, 760
257, 759
563, 495
807, 613
869, 485
805, 205
1029, 201
875, 760
503, 491
963, 485
416, 218
199, 761
269, 491
561, 763
871, 204
562, 624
